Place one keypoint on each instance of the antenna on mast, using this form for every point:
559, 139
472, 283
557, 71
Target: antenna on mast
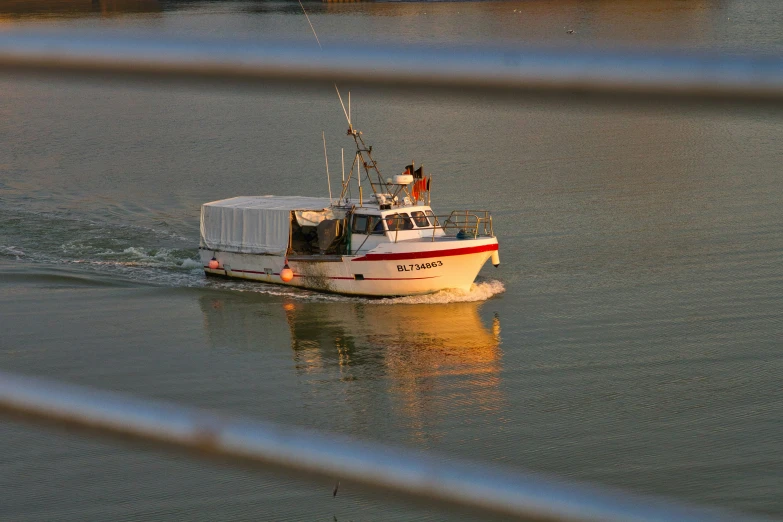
311, 25
326, 159
347, 117
361, 147
348, 112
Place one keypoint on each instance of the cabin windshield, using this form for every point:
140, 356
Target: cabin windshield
420, 219
360, 224
367, 224
378, 228
398, 221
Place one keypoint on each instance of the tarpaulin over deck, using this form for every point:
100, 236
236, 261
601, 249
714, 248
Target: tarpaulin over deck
253, 224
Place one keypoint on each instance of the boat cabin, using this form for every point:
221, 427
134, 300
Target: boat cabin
371, 226
298, 226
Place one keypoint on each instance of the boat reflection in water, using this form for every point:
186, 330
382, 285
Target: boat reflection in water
432, 337
437, 364
418, 368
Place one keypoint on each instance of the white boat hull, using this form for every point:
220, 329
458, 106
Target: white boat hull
392, 269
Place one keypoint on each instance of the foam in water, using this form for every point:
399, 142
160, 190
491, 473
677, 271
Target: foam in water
478, 292
155, 255
190, 263
11, 251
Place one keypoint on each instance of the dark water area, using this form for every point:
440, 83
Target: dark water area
630, 337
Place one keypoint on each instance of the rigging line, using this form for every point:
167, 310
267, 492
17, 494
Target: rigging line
326, 159
347, 117
347, 182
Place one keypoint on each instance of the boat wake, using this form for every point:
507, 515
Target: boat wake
479, 291
129, 252
158, 257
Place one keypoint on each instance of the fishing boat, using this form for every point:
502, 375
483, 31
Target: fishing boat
391, 244
388, 246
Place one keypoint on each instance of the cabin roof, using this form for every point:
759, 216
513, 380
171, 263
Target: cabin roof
374, 210
293, 203
272, 203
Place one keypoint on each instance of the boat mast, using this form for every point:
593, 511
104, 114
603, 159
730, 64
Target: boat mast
367, 162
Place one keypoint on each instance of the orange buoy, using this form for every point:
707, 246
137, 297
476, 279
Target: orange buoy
213, 263
286, 274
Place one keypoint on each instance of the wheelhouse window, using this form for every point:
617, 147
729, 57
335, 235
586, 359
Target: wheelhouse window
420, 219
364, 224
360, 224
399, 221
376, 225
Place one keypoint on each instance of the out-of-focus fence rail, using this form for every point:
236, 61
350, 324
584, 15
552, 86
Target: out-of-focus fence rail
693, 77
409, 473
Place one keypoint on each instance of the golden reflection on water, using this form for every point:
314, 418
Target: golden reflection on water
433, 359
418, 363
437, 338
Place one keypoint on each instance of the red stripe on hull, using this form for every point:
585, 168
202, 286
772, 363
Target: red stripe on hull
429, 253
251, 272
244, 271
382, 278
344, 278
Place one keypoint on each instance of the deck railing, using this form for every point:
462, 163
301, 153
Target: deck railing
469, 223
462, 224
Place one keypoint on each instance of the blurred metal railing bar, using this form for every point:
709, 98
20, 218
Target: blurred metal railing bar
411, 473
569, 74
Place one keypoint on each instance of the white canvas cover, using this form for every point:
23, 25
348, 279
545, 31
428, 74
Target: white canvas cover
311, 218
253, 224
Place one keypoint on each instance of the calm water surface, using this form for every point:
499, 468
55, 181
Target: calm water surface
630, 338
